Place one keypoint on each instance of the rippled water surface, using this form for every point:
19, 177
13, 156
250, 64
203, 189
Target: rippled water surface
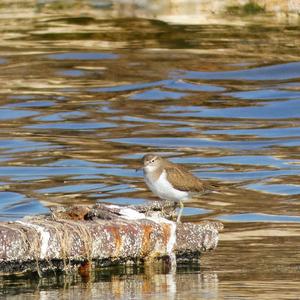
82, 99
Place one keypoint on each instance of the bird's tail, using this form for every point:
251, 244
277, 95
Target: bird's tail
226, 188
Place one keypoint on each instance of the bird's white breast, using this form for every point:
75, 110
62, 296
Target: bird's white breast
164, 189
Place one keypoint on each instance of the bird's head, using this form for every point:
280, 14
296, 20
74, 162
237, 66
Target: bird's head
151, 162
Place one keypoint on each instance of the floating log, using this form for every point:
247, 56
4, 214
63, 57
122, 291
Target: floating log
101, 235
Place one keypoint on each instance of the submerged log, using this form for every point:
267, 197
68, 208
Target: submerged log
101, 235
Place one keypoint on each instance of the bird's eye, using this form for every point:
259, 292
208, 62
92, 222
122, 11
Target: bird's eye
152, 160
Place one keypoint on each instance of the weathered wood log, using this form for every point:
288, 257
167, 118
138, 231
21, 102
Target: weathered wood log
101, 235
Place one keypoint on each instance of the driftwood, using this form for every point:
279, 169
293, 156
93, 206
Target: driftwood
102, 235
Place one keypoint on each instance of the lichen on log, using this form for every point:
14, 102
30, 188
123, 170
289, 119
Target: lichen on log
102, 235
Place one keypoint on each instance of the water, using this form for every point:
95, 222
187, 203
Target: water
83, 98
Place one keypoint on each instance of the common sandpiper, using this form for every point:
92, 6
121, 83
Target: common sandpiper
170, 181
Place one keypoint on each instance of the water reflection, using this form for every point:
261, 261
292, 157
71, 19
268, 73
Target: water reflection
123, 283
157, 283
83, 98
274, 72
83, 56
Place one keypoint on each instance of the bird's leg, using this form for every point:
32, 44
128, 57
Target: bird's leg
180, 211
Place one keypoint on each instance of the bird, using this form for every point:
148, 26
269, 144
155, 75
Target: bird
170, 181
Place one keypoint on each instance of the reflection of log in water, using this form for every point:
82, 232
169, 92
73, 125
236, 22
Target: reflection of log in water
101, 235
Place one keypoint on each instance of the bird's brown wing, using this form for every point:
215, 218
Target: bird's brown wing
183, 180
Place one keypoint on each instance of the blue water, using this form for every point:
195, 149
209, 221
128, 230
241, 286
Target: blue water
67, 144
85, 95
